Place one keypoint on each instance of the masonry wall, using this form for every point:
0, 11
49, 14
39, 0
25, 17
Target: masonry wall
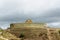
26, 28
34, 25
31, 33
35, 31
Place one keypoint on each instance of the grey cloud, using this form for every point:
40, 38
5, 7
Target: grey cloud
51, 16
15, 12
53, 12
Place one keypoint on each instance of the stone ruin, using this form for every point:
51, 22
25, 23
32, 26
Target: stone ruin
34, 31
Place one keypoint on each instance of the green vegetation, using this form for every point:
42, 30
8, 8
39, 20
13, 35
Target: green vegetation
59, 31
22, 36
1, 30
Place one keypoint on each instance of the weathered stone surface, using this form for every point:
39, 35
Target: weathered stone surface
34, 31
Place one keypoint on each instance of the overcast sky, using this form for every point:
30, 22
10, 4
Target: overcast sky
47, 11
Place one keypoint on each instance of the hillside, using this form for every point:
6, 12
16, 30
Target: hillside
7, 36
32, 34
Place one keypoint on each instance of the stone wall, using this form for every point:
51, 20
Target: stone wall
18, 28
34, 31
35, 25
31, 33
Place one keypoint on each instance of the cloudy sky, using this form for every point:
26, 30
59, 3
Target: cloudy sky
47, 11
